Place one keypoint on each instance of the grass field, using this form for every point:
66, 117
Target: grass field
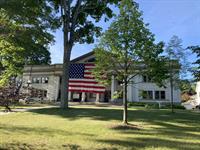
96, 128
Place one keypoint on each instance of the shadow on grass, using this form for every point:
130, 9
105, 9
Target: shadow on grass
38, 131
172, 131
104, 114
152, 143
25, 146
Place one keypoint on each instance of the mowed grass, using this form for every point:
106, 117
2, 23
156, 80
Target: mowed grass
96, 128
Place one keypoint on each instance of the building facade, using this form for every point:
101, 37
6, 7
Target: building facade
198, 92
47, 78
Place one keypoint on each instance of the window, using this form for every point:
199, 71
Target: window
147, 94
45, 79
33, 80
146, 78
91, 60
159, 95
40, 80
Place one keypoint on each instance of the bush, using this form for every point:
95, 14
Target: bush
155, 105
176, 106
142, 104
152, 106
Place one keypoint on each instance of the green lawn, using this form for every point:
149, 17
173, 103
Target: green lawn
95, 128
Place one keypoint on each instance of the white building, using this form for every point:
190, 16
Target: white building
48, 79
198, 92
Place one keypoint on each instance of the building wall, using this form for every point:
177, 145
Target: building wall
134, 91
52, 87
198, 91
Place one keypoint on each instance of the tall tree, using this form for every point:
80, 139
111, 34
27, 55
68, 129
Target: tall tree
196, 69
78, 21
127, 49
178, 64
24, 35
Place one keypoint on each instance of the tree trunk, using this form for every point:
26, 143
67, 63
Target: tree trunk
65, 75
172, 93
125, 120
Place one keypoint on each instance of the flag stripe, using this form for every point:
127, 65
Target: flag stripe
86, 86
86, 91
82, 80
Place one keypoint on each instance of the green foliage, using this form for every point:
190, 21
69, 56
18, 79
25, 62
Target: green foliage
128, 49
142, 104
177, 56
152, 106
196, 69
92, 128
24, 35
176, 106
187, 86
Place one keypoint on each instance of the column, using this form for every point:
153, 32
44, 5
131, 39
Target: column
97, 97
113, 87
69, 96
83, 96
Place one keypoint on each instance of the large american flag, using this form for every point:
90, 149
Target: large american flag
81, 79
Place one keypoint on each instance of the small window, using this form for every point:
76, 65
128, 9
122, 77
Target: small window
162, 95
45, 79
34, 80
146, 78
159, 95
91, 60
38, 80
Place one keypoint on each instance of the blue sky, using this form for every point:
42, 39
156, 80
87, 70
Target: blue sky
166, 18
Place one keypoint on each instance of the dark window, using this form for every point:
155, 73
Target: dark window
91, 60
159, 95
45, 79
38, 80
146, 78
162, 95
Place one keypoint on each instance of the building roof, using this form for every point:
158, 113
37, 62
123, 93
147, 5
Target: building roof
82, 57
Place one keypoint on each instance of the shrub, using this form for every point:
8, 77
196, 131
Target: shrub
152, 106
176, 106
142, 104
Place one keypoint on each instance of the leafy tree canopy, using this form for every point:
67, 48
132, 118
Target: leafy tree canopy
127, 49
196, 69
24, 35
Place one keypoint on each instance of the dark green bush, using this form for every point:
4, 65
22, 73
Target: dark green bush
142, 104
176, 106
152, 106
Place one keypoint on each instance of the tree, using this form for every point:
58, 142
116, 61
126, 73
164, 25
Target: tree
24, 35
78, 21
127, 49
187, 86
178, 64
77, 18
196, 69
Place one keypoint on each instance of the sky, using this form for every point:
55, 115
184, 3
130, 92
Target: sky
166, 18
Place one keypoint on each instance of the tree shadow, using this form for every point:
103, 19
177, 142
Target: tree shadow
181, 125
145, 143
39, 131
